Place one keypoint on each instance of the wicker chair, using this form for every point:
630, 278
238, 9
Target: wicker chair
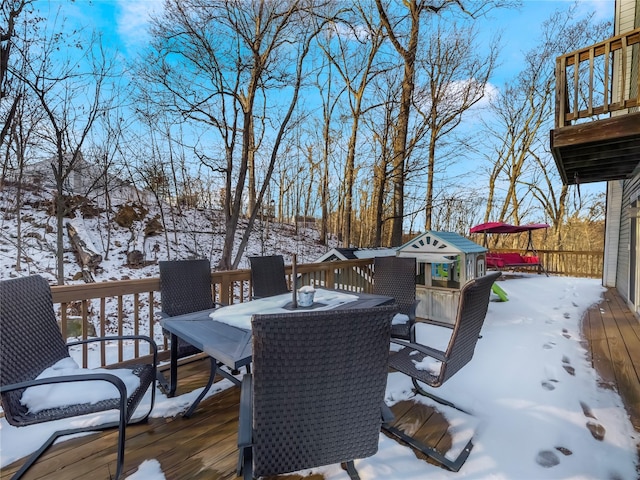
185, 287
31, 343
267, 276
316, 395
472, 310
396, 277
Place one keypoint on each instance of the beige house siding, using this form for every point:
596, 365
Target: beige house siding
626, 11
626, 19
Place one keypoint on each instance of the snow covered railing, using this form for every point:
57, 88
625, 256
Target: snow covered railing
132, 306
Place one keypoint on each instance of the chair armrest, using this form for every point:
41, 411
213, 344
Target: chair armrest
432, 352
245, 437
84, 377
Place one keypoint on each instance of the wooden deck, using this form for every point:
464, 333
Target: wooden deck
204, 446
613, 335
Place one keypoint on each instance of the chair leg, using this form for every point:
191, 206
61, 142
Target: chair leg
350, 468
121, 439
212, 375
35, 455
245, 464
454, 465
440, 400
163, 383
72, 431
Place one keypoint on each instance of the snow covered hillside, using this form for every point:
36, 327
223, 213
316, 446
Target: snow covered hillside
190, 233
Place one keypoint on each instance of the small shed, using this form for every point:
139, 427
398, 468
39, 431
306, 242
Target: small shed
445, 262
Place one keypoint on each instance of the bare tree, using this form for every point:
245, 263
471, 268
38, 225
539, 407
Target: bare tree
11, 11
456, 78
22, 142
521, 119
325, 83
403, 30
69, 89
355, 60
216, 63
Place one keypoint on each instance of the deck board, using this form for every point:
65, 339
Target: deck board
613, 335
205, 447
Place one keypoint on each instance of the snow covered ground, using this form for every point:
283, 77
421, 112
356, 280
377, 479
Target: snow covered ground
533, 397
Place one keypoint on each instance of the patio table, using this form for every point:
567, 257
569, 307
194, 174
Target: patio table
225, 334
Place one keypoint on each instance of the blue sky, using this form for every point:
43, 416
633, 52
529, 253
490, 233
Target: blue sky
124, 23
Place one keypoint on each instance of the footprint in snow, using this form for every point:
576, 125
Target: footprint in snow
596, 429
552, 378
586, 410
566, 364
547, 459
549, 384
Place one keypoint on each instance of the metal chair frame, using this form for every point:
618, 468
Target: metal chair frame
32, 342
471, 313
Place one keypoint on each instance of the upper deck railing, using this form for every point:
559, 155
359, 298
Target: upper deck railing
585, 85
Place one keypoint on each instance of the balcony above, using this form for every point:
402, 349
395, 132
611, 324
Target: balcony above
588, 145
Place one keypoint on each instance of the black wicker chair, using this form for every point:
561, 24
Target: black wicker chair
472, 310
396, 277
31, 343
185, 287
267, 276
316, 395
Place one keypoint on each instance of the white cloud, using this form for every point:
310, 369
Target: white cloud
603, 9
133, 19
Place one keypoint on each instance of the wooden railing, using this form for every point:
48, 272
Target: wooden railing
591, 68
131, 306
568, 263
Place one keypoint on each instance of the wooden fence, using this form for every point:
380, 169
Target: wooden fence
132, 306
568, 263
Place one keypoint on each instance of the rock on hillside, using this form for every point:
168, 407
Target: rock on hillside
129, 236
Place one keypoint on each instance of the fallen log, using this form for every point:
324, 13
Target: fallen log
87, 258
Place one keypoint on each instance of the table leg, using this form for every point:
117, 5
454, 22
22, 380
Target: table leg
173, 368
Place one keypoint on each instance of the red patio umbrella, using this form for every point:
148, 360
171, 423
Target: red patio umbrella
501, 227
